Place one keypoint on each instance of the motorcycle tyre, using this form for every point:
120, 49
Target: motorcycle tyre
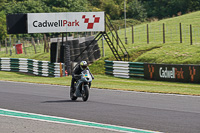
73, 98
85, 93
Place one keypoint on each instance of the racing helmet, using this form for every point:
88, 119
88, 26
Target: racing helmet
83, 65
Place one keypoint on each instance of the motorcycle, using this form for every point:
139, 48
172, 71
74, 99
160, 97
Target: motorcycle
82, 86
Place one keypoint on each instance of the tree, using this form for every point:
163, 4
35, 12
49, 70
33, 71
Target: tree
194, 5
110, 8
136, 10
29, 6
95, 3
3, 32
166, 8
67, 5
2, 2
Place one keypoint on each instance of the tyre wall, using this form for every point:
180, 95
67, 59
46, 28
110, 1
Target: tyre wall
70, 51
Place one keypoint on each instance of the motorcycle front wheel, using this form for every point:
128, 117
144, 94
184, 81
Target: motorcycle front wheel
72, 94
85, 93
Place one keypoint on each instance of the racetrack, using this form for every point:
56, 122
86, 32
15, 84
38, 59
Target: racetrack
149, 111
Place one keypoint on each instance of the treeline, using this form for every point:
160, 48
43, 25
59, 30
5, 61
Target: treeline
144, 9
141, 10
168, 8
37, 6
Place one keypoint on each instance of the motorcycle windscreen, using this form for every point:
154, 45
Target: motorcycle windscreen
86, 74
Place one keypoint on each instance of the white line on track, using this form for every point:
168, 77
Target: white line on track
68, 121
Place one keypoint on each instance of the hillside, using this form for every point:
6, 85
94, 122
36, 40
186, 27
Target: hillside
172, 51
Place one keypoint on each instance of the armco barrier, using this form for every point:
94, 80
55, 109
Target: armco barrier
124, 69
41, 68
151, 71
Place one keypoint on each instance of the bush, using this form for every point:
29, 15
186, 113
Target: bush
129, 23
136, 11
3, 32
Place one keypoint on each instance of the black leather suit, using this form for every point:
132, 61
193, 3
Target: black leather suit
76, 72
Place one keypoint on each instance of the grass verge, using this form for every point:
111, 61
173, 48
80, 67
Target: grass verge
109, 82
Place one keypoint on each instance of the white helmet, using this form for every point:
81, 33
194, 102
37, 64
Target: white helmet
83, 65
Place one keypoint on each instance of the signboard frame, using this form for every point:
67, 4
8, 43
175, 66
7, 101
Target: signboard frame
65, 22
90, 21
16, 23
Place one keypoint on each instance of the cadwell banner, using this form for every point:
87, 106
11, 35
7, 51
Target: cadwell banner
177, 73
65, 22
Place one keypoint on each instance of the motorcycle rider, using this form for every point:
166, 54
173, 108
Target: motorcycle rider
76, 73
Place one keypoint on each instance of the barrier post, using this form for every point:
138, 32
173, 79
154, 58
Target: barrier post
61, 73
24, 45
6, 46
163, 33
63, 69
180, 33
191, 34
33, 43
132, 35
147, 34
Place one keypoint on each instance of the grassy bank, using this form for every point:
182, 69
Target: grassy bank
109, 82
172, 51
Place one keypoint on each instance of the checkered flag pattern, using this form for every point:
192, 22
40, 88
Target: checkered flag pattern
90, 24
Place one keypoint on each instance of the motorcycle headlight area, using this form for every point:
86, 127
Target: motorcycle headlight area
87, 76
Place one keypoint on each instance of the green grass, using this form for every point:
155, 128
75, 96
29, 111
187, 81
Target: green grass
172, 54
109, 82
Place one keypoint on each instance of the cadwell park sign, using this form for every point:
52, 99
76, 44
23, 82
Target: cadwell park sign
55, 22
65, 22
177, 73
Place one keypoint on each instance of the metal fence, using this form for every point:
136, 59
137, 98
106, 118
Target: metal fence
34, 45
30, 45
162, 33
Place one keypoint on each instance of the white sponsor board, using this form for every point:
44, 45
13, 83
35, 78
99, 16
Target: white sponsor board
66, 22
167, 73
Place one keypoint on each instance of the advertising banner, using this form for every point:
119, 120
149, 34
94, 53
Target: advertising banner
177, 73
65, 22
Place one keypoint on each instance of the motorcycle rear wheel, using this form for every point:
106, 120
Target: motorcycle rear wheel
85, 93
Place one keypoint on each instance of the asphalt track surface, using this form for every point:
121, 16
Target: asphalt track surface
149, 111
